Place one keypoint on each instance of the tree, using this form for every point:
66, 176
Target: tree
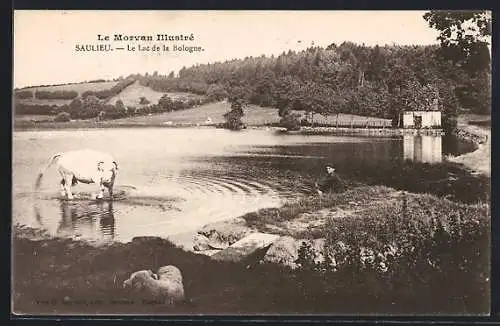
75, 107
143, 101
113, 111
165, 103
120, 106
376, 65
91, 106
475, 94
62, 117
290, 121
216, 92
233, 117
464, 37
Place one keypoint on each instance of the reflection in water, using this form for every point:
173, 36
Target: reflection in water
83, 219
423, 148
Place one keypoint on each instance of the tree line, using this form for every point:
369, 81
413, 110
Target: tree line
91, 106
113, 91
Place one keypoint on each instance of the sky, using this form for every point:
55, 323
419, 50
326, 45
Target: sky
45, 40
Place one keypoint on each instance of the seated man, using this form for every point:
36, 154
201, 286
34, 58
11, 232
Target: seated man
331, 182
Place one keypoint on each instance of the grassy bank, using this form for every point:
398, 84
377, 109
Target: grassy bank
439, 264
254, 116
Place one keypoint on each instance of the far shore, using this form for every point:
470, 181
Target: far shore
85, 124
320, 130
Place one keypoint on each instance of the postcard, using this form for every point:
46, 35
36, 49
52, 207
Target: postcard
251, 163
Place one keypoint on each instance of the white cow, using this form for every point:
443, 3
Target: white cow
85, 166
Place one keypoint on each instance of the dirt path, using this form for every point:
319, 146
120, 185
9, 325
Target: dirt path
478, 161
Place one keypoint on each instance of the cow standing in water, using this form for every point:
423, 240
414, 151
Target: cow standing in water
85, 166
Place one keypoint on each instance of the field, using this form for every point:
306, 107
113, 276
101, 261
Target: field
254, 115
79, 88
214, 111
35, 101
32, 118
131, 95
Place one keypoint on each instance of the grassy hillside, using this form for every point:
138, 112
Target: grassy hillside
131, 95
254, 115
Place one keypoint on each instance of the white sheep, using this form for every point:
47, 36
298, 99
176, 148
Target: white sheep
166, 285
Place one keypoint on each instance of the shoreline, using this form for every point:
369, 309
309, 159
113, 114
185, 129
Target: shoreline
326, 131
46, 267
478, 161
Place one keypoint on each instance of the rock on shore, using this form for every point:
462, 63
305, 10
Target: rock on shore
220, 235
285, 250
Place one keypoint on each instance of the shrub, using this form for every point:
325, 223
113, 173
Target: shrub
178, 105
305, 123
144, 101
21, 108
290, 121
418, 246
62, 95
62, 117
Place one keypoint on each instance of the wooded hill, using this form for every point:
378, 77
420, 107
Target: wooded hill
348, 78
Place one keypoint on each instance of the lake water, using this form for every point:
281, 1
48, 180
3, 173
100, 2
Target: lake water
176, 180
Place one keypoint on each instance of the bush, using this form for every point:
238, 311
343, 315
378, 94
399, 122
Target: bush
21, 108
290, 121
178, 105
420, 246
305, 123
60, 95
144, 101
62, 117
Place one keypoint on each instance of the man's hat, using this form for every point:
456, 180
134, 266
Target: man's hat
330, 166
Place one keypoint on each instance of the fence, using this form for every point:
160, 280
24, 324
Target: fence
353, 122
